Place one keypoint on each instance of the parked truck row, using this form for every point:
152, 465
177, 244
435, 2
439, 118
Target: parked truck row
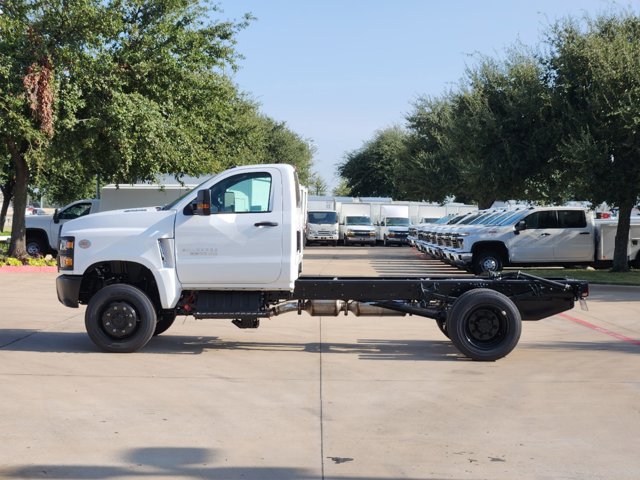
488, 240
369, 222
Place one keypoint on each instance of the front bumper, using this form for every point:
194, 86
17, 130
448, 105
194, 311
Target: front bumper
318, 237
68, 289
457, 258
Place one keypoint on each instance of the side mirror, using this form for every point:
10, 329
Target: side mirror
521, 225
203, 203
56, 216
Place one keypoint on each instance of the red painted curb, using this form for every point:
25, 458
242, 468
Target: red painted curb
26, 269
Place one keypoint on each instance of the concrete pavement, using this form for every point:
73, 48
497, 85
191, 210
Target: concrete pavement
318, 397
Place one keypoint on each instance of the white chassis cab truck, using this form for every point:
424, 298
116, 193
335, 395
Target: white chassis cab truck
232, 249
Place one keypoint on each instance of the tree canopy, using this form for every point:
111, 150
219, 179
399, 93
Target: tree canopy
124, 90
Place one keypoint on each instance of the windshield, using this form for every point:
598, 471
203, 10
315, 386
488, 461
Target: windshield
357, 221
397, 222
323, 217
515, 217
471, 218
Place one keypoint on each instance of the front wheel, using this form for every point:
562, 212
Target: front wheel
484, 325
120, 318
487, 261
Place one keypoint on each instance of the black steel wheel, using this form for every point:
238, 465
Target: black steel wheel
484, 324
120, 318
165, 320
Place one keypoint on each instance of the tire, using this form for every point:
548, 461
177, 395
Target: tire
120, 318
165, 320
484, 324
487, 261
36, 246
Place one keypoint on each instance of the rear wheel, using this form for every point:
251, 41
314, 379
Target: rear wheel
484, 324
120, 318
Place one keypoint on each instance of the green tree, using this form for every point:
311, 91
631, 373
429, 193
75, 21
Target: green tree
371, 170
491, 139
502, 131
342, 189
277, 143
596, 69
429, 171
124, 89
317, 185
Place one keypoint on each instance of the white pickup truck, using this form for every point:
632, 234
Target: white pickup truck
42, 230
531, 237
233, 249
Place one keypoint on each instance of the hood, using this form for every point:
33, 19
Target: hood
125, 222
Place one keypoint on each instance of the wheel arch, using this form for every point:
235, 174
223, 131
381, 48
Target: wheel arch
104, 273
496, 246
40, 233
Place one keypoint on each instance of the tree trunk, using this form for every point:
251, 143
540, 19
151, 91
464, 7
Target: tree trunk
17, 247
7, 195
485, 203
620, 254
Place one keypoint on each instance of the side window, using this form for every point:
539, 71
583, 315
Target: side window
572, 219
247, 192
75, 211
544, 219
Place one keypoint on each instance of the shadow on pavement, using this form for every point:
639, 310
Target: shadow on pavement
172, 462
366, 349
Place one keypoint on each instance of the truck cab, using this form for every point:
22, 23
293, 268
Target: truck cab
393, 230
42, 230
322, 227
358, 229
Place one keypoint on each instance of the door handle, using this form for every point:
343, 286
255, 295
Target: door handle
545, 234
265, 224
585, 233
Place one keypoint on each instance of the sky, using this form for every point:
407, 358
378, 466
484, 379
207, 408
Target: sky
338, 71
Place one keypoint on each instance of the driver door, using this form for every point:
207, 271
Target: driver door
241, 242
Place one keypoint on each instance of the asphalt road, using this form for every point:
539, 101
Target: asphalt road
303, 397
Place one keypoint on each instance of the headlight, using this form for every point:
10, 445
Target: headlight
65, 253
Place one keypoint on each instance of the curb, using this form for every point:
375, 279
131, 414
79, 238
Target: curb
26, 269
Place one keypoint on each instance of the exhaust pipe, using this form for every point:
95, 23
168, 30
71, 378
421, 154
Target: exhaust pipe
333, 308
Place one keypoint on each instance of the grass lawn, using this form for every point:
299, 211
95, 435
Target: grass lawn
606, 277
